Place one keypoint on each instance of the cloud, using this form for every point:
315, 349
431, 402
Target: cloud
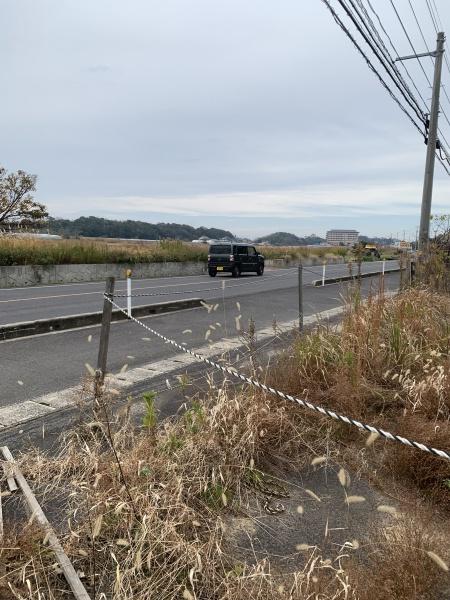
210, 113
358, 201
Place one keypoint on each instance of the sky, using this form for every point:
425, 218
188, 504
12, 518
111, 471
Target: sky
255, 116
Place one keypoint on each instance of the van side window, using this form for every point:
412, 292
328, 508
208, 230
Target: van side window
251, 251
242, 250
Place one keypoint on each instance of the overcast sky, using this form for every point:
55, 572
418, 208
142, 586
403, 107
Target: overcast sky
255, 115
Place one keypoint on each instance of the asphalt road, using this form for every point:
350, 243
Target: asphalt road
41, 302
40, 364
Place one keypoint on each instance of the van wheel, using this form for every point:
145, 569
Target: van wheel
236, 271
260, 270
212, 272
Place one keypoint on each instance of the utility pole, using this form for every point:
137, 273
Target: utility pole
438, 54
424, 232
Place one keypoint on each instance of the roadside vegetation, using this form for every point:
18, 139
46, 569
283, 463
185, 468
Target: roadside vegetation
15, 251
165, 527
21, 251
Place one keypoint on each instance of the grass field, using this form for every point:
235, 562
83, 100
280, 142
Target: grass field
159, 527
14, 251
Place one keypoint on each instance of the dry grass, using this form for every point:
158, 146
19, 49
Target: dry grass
22, 251
15, 251
401, 566
163, 534
321, 253
183, 478
389, 366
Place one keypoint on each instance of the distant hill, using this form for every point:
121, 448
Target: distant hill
98, 227
282, 238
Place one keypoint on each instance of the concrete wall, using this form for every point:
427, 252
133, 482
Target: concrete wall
30, 275
22, 276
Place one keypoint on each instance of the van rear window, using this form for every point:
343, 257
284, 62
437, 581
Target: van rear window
220, 249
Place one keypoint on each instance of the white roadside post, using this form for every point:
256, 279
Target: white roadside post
324, 266
383, 266
129, 293
300, 297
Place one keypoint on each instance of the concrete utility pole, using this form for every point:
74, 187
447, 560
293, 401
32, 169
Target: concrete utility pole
438, 54
424, 232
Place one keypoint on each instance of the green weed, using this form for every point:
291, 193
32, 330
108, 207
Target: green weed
150, 419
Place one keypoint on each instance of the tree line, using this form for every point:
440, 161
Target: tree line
100, 227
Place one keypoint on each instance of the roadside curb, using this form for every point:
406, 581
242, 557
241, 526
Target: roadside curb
318, 282
56, 402
26, 328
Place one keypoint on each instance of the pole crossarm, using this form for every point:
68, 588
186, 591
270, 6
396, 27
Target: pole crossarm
433, 54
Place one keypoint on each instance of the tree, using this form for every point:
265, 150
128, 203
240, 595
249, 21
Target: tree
99, 227
282, 238
17, 205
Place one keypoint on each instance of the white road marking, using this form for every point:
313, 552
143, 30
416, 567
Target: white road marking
53, 285
50, 297
48, 403
100, 292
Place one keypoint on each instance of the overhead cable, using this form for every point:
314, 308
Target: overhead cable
367, 39
370, 65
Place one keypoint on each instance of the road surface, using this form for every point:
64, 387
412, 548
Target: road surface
41, 364
43, 302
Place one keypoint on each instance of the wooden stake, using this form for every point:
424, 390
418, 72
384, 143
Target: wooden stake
12, 485
1, 515
70, 574
104, 332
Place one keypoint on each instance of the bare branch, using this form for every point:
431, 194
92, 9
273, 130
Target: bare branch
17, 205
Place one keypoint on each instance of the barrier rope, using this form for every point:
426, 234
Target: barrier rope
211, 289
280, 394
354, 275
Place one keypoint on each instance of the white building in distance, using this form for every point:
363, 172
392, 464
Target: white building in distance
342, 237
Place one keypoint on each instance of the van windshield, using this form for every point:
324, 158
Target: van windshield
220, 249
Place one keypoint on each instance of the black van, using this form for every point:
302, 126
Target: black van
234, 259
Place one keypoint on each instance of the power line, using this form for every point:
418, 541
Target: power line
435, 24
443, 163
369, 64
432, 15
438, 20
374, 50
438, 15
428, 50
410, 42
374, 34
418, 60
370, 26
385, 56
395, 51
